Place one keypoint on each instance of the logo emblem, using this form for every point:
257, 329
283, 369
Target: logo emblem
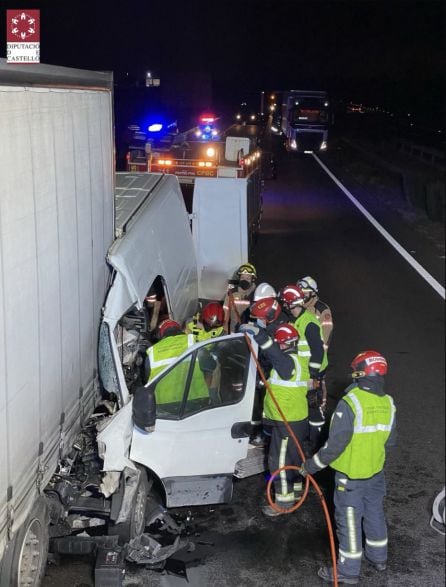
23, 36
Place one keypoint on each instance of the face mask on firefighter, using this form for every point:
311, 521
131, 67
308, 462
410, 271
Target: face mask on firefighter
245, 281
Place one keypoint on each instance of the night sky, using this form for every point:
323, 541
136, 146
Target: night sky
388, 53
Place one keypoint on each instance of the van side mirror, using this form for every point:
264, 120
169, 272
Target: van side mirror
144, 408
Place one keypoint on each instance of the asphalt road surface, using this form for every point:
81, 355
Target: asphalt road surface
379, 302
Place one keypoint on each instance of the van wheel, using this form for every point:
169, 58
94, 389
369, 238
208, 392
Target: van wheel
136, 523
24, 560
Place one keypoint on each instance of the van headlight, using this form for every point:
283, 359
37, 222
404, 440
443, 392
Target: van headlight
101, 449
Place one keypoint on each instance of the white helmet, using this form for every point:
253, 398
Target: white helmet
264, 290
308, 284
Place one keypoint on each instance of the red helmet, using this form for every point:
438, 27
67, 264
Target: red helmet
291, 296
167, 325
369, 363
267, 309
212, 315
286, 336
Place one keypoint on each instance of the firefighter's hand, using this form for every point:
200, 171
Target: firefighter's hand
315, 383
249, 328
303, 470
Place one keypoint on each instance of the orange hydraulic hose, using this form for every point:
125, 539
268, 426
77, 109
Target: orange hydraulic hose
308, 478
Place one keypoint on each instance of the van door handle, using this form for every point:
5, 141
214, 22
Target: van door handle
241, 430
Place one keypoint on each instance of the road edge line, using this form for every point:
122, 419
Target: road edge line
395, 244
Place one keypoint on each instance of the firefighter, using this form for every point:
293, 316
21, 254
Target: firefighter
266, 313
239, 296
310, 346
362, 427
288, 379
208, 323
173, 343
262, 291
319, 308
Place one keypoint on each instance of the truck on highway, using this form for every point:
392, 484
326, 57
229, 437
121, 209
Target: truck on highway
305, 120
87, 271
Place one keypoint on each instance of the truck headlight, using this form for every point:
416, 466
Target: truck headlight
210, 152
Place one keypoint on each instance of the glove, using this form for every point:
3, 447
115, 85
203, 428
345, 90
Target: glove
315, 398
249, 328
303, 470
260, 323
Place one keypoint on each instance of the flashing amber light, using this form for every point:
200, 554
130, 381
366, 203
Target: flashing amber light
208, 164
200, 163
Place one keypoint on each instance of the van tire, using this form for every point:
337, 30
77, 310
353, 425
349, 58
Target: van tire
136, 524
26, 555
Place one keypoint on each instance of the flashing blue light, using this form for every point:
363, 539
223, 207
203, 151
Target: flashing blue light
155, 127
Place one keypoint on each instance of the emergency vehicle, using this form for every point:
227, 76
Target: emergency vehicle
207, 129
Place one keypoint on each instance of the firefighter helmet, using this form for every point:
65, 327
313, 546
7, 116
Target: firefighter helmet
368, 363
167, 325
212, 315
291, 296
264, 290
286, 336
247, 269
267, 309
308, 285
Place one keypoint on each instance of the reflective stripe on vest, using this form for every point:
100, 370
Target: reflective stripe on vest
300, 325
359, 428
291, 394
364, 456
173, 347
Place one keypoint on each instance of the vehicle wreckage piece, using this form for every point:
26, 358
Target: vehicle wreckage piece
145, 550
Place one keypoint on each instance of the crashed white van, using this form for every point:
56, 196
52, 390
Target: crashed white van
196, 447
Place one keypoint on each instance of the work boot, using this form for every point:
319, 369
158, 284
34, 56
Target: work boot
378, 566
272, 513
258, 441
326, 574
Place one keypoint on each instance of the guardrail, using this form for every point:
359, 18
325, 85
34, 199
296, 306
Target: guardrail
428, 155
423, 186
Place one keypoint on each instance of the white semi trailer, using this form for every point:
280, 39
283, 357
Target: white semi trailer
56, 225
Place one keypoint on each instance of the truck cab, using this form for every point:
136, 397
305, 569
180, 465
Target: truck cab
305, 121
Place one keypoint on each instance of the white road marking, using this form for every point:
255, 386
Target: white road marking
421, 270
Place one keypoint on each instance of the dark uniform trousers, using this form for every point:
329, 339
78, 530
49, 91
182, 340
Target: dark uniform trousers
283, 451
359, 506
